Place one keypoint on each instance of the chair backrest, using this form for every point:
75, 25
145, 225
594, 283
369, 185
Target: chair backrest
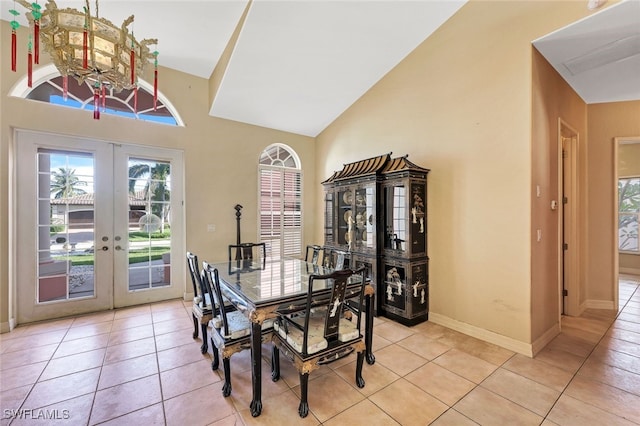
327, 254
248, 254
314, 251
339, 259
194, 272
211, 284
247, 251
335, 304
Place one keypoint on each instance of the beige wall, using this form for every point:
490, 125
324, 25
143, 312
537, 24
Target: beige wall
553, 98
221, 159
460, 104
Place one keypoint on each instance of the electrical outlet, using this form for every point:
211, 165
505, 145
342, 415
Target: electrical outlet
211, 228
539, 232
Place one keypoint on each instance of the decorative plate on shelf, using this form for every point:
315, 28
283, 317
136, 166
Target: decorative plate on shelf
347, 197
347, 216
359, 200
364, 236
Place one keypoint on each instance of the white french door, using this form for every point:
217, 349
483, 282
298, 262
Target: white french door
97, 225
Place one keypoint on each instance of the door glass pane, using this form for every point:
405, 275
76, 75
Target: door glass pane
149, 242
65, 225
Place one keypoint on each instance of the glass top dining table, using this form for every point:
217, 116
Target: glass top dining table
260, 288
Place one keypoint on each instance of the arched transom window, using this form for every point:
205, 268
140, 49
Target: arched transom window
48, 87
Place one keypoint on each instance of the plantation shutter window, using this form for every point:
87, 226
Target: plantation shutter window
280, 202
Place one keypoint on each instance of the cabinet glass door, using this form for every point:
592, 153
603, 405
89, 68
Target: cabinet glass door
364, 230
344, 217
395, 217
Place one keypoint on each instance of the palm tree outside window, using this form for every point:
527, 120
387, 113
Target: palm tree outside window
65, 183
150, 181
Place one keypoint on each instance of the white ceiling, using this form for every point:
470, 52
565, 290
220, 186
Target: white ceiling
297, 65
599, 56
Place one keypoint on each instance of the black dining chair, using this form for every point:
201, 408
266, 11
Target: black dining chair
248, 255
313, 254
230, 330
201, 310
335, 258
310, 340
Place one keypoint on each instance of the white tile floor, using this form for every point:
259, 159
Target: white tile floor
141, 366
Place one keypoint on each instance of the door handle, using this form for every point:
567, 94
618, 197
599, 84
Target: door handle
105, 248
118, 248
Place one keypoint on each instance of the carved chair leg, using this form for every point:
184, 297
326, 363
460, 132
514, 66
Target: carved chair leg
226, 388
205, 345
275, 364
216, 358
359, 362
195, 326
303, 408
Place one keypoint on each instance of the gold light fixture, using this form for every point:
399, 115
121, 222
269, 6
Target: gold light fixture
87, 48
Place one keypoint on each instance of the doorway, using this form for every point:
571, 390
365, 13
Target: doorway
568, 220
97, 225
626, 175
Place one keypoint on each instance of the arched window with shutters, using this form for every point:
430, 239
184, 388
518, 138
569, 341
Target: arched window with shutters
280, 201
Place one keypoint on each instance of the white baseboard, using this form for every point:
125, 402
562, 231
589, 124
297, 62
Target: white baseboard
546, 337
482, 334
599, 304
6, 327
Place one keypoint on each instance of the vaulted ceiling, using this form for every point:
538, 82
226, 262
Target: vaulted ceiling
297, 65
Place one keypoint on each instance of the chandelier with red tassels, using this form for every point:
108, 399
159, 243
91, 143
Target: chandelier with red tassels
86, 47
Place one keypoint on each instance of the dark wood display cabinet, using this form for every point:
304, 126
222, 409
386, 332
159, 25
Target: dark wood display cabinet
375, 210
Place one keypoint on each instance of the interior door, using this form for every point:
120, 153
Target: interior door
571, 291
87, 237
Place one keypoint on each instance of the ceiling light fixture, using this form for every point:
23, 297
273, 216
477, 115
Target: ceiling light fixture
87, 48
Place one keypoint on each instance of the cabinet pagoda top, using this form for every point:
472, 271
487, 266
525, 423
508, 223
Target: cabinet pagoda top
379, 165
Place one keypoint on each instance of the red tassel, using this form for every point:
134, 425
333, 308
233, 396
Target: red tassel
155, 90
36, 46
104, 98
85, 55
132, 63
135, 100
65, 87
96, 104
14, 50
30, 70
